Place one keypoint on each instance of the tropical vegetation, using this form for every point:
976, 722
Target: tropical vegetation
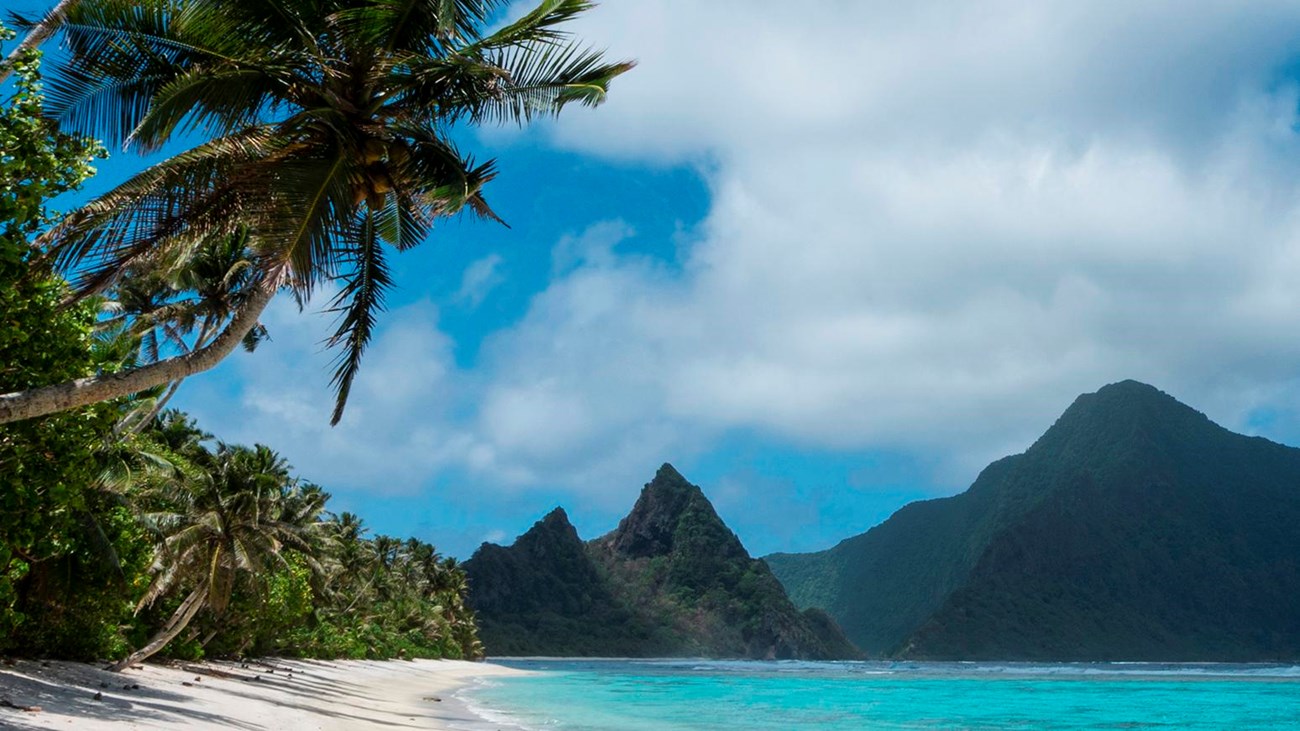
124, 526
325, 134
217, 549
319, 139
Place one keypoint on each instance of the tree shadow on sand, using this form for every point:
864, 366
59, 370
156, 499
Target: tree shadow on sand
69, 689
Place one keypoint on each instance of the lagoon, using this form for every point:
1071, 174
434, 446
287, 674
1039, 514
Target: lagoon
671, 695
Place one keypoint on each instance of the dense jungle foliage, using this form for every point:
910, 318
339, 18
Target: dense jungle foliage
126, 530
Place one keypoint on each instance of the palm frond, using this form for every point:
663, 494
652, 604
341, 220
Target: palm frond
154, 63
359, 303
255, 337
121, 55
403, 223
541, 81
180, 201
430, 27
312, 200
220, 100
441, 181
538, 26
288, 30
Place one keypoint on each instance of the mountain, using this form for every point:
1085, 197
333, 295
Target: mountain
545, 596
1133, 529
671, 580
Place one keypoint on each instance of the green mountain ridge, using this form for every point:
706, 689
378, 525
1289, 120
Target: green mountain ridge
544, 595
1133, 529
671, 580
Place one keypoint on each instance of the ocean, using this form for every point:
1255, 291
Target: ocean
668, 695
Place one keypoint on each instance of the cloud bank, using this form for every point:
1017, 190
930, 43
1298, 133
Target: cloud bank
931, 225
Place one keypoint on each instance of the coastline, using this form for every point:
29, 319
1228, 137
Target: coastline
319, 695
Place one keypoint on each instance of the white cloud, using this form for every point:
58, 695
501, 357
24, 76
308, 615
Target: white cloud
398, 429
740, 76
479, 279
932, 224
594, 247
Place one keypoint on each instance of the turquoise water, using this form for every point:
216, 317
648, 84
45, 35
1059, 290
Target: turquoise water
666, 695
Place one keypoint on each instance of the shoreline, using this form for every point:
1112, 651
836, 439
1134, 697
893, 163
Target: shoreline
320, 695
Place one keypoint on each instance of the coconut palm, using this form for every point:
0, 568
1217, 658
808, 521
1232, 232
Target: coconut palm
234, 517
157, 311
179, 434
37, 34
327, 129
183, 308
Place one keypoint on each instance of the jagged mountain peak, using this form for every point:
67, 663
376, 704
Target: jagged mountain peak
668, 488
666, 503
668, 475
552, 533
557, 518
702, 594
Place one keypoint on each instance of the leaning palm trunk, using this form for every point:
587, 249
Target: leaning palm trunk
37, 35
327, 131
160, 403
180, 619
85, 391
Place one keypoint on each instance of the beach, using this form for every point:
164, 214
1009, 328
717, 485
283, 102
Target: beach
266, 694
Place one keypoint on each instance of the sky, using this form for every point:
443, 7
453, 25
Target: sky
824, 259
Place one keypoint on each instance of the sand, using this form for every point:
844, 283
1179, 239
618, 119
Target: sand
271, 694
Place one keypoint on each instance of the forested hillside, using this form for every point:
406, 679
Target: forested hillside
1134, 529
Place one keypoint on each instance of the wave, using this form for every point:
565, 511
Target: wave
493, 718
1279, 671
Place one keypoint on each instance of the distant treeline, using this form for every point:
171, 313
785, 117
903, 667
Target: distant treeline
173, 542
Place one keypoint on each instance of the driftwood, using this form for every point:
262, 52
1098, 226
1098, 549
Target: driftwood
214, 672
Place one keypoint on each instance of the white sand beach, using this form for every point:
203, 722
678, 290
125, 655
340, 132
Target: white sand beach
267, 694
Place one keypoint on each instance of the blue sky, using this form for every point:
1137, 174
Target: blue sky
824, 262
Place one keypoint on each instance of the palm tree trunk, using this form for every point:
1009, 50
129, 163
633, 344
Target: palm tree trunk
180, 619
84, 391
161, 403
37, 35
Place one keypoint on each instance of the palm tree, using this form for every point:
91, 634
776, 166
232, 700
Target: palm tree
328, 128
181, 309
36, 35
179, 434
184, 305
236, 516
